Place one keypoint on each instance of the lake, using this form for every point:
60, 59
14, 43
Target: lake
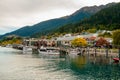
14, 65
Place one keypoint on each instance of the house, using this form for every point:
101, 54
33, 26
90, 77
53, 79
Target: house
66, 39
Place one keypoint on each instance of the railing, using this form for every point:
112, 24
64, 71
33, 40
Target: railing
95, 51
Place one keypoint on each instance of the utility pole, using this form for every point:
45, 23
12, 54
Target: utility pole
95, 52
119, 50
106, 52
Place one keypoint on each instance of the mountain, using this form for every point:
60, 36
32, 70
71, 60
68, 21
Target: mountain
107, 18
46, 26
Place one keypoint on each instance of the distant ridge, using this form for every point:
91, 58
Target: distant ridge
46, 26
105, 19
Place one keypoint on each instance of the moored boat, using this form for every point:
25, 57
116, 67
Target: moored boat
116, 59
27, 49
73, 52
49, 50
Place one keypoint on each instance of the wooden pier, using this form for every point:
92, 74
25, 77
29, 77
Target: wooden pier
94, 51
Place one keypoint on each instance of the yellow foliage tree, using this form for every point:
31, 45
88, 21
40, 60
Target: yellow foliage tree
17, 41
79, 42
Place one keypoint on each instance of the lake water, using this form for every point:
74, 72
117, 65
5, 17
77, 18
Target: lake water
17, 66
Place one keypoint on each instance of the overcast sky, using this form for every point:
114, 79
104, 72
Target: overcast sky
15, 14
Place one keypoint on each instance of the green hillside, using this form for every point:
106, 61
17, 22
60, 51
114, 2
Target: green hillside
107, 18
46, 27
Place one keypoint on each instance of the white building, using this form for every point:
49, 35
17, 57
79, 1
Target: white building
66, 40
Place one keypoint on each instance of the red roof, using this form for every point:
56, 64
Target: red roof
92, 38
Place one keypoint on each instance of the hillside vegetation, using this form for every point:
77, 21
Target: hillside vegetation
105, 19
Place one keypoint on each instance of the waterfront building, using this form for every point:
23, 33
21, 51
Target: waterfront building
66, 40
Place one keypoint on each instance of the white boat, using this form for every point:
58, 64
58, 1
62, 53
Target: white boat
74, 52
49, 50
9, 46
27, 49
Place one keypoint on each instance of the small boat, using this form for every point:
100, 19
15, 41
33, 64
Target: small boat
116, 59
49, 50
74, 52
9, 46
27, 49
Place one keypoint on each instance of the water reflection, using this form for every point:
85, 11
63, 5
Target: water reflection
17, 66
94, 67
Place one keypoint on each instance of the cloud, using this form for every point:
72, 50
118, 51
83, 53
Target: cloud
27, 12
28, 6
19, 13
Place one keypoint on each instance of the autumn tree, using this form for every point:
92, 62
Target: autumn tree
79, 42
11, 40
102, 42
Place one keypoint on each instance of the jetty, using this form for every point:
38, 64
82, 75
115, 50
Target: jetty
91, 51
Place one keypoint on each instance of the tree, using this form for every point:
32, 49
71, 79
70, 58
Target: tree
79, 42
116, 37
102, 42
92, 30
106, 34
